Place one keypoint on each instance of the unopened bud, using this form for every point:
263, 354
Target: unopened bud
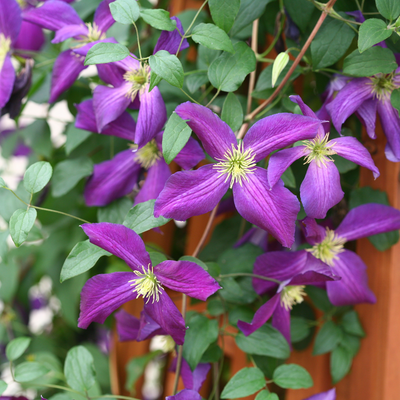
279, 64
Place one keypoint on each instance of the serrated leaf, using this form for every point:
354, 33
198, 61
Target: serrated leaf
17, 347
390, 9
176, 135
232, 112
223, 12
340, 363
29, 371
292, 376
158, 19
125, 11
103, 53
244, 383
328, 337
21, 222
3, 386
37, 176
168, 67
79, 369
212, 37
371, 32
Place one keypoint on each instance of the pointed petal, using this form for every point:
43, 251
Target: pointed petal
10, 19
148, 327
261, 316
170, 41
70, 31
217, 137
366, 112
185, 394
120, 241
279, 162
102, 17
190, 155
127, 326
274, 210
7, 78
329, 395
303, 107
281, 321
190, 193
165, 313
351, 149
30, 38
391, 125
353, 287
111, 74
112, 179
103, 294
278, 131
369, 219
320, 189
200, 375
313, 232
156, 177
186, 277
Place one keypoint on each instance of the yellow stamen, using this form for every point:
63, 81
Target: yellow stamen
292, 295
148, 155
5, 45
139, 79
382, 85
147, 285
320, 150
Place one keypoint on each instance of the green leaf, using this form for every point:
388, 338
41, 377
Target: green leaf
82, 257
351, 324
299, 329
228, 71
266, 341
75, 137
176, 135
195, 81
351, 343
21, 222
125, 11
212, 354
17, 347
232, 112
29, 371
239, 259
195, 260
79, 369
212, 37
340, 363
288, 178
37, 176
303, 18
292, 376
390, 9
327, 338
319, 298
371, 32
2, 183
158, 19
103, 53
37, 137
168, 67
154, 80
201, 333
68, 173
244, 383
115, 212
266, 395
330, 43
373, 61
343, 164
3, 386
224, 12
141, 218
156, 257
9, 278
395, 99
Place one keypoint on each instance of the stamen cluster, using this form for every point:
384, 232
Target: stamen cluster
292, 295
139, 78
147, 285
148, 155
5, 45
95, 33
382, 85
320, 150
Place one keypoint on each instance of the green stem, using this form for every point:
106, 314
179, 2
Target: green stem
276, 38
264, 278
206, 93
138, 40
67, 389
214, 97
188, 95
273, 104
194, 71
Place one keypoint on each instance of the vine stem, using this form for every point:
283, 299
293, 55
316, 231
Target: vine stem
254, 47
317, 26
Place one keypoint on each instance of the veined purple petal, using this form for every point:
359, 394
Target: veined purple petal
30, 38
303, 107
351, 149
103, 17
281, 322
353, 287
391, 125
274, 210
112, 179
186, 277
165, 313
127, 326
7, 78
279, 162
70, 31
157, 175
120, 241
66, 70
170, 41
152, 116
190, 193
329, 395
109, 103
10, 19
217, 137
348, 100
369, 219
148, 327
320, 189
278, 131
185, 394
192, 380
313, 277
366, 112
313, 232
111, 74
128, 63
103, 294
190, 155
262, 315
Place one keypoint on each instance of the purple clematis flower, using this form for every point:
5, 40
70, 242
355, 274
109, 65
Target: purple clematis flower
321, 187
329, 395
192, 193
103, 294
294, 270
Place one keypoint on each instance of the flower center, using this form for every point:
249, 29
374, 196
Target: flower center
95, 32
148, 155
236, 164
292, 295
382, 85
22, 3
320, 150
147, 284
329, 248
5, 45
138, 78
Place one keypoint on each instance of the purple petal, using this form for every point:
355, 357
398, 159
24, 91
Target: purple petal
274, 210
66, 70
303, 107
102, 17
110, 74
320, 189
329, 395
30, 38
165, 313
200, 375
278, 131
120, 241
262, 315
366, 112
70, 31
279, 162
369, 219
217, 137
10, 19
170, 41
109, 103
128, 63
185, 394
348, 100
112, 179
186, 277
148, 327
281, 321
7, 78
314, 233
190, 155
152, 116
103, 294
190, 193
157, 175
127, 326
353, 287
391, 125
